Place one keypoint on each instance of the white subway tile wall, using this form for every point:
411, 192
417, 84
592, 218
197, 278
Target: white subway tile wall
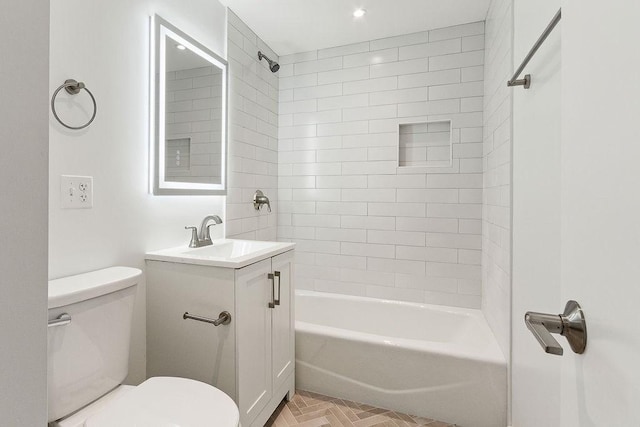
496, 216
364, 225
253, 134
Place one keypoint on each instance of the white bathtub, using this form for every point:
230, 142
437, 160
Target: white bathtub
426, 360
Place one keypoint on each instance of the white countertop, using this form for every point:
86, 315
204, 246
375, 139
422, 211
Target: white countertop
226, 253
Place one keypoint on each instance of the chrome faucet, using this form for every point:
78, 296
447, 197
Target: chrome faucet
203, 238
204, 228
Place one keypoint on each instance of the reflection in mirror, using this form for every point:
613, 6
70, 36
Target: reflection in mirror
191, 85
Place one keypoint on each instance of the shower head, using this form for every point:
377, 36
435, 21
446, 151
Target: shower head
273, 65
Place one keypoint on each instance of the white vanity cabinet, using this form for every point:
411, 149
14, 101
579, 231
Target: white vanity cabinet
251, 358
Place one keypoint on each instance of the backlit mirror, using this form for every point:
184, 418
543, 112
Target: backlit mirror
190, 120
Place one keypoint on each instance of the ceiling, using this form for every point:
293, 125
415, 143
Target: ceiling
293, 26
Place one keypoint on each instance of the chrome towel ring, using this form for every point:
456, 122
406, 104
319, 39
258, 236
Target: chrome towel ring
73, 87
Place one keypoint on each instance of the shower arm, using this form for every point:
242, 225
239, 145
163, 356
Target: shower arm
273, 65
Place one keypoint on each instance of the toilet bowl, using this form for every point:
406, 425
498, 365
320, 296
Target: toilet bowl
88, 351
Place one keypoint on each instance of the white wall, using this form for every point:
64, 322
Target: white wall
536, 215
363, 225
253, 134
496, 206
24, 67
106, 45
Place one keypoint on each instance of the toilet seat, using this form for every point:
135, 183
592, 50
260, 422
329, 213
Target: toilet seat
169, 402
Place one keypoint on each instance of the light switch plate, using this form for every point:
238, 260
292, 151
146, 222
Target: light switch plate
76, 192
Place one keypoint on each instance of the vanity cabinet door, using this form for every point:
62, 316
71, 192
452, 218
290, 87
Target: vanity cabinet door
282, 320
253, 331
188, 348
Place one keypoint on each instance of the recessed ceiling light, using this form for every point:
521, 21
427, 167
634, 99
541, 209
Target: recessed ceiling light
359, 13
180, 47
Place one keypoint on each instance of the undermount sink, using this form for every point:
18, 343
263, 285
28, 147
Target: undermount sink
230, 253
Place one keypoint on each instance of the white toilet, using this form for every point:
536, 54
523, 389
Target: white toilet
88, 355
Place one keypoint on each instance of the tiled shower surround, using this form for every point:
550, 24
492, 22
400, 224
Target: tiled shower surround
253, 134
496, 241
364, 225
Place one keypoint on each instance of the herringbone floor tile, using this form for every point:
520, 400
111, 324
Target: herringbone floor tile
308, 409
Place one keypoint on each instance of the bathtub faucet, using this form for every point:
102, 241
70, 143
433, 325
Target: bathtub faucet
260, 199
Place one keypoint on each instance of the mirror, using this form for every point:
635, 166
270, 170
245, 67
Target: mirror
190, 121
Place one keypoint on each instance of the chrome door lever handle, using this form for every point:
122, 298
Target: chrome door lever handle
570, 323
541, 325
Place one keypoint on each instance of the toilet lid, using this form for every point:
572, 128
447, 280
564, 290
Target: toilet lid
169, 402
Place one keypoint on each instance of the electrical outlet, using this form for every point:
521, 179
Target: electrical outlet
76, 192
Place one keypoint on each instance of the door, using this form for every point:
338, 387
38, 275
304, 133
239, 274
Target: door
254, 293
283, 332
598, 212
601, 209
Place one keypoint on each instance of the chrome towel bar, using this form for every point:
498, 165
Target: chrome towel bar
224, 318
63, 319
526, 82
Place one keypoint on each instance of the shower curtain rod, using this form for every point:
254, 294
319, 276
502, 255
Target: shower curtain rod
526, 82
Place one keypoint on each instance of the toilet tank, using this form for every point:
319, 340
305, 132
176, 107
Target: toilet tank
89, 356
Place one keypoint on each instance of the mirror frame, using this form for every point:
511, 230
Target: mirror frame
160, 30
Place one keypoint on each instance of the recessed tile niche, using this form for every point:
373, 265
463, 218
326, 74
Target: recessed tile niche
425, 144
178, 159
